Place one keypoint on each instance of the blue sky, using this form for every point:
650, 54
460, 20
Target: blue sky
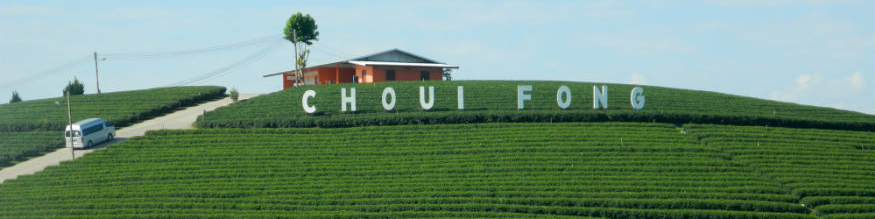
816, 52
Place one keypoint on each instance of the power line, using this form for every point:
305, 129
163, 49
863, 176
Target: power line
229, 68
240, 44
55, 70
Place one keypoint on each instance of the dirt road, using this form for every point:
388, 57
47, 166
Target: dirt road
182, 119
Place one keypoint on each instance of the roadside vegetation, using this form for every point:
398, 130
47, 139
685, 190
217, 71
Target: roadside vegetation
121, 108
29, 128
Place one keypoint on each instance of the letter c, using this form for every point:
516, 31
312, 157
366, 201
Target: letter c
307, 95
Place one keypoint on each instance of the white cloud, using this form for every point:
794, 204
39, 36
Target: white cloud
26, 10
803, 81
840, 91
638, 79
857, 81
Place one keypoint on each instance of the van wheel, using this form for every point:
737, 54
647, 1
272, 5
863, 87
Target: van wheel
89, 144
109, 137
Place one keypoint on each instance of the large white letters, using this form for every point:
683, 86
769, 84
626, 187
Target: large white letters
307, 95
460, 92
389, 91
599, 97
563, 103
430, 103
637, 98
347, 99
521, 95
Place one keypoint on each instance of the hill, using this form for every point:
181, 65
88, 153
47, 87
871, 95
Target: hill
608, 170
121, 108
541, 161
32, 127
496, 101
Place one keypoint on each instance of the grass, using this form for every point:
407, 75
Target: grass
606, 170
496, 101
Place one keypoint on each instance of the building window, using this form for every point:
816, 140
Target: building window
423, 75
364, 75
390, 75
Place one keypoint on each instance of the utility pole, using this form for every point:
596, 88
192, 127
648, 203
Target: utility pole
295, 44
96, 78
70, 125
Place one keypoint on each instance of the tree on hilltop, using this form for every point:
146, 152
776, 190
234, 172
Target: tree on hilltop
301, 30
75, 87
15, 97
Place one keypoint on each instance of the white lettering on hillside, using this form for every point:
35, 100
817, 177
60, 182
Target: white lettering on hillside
599, 97
347, 99
389, 91
307, 95
460, 97
521, 95
524, 93
426, 105
563, 104
637, 98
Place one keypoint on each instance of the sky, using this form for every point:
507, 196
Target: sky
813, 52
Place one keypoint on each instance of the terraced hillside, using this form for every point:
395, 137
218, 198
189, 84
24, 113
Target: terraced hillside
496, 101
17, 146
121, 108
542, 161
32, 127
609, 170
832, 172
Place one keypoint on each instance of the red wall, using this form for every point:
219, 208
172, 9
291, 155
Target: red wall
374, 74
407, 74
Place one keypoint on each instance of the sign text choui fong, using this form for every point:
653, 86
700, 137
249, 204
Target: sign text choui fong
563, 98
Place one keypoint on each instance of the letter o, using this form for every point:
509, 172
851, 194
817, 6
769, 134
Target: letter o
307, 95
389, 105
564, 104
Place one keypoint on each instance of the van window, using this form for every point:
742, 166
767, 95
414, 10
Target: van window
108, 124
75, 134
92, 129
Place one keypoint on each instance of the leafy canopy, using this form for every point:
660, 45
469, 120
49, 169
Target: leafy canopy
304, 26
75, 87
15, 97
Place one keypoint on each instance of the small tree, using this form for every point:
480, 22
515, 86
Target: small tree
301, 30
15, 97
448, 74
234, 94
75, 87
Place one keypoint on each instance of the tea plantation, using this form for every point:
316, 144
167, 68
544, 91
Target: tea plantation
496, 101
121, 108
687, 154
32, 127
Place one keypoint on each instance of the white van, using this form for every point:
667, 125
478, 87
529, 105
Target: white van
88, 132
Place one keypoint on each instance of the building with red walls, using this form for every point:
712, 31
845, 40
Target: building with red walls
391, 65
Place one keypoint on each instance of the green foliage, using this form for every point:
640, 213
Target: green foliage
234, 94
15, 97
120, 108
606, 170
74, 87
496, 101
305, 27
15, 146
832, 171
